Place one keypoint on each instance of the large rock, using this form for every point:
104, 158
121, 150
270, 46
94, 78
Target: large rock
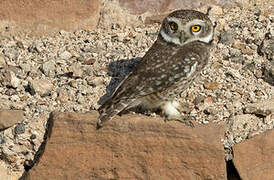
10, 117
155, 10
254, 158
48, 15
129, 147
156, 6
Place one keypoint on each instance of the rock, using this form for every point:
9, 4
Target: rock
48, 68
25, 67
156, 7
268, 73
36, 46
242, 126
10, 92
155, 18
41, 86
197, 100
14, 81
51, 16
20, 44
130, 146
230, 3
254, 157
137, 12
19, 128
65, 55
3, 139
2, 62
90, 61
76, 70
243, 47
98, 81
263, 108
211, 85
62, 96
10, 79
267, 48
10, 117
210, 110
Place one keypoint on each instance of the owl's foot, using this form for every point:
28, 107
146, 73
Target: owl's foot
172, 112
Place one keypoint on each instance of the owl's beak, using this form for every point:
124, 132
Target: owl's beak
183, 37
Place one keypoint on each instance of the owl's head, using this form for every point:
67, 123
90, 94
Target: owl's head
184, 26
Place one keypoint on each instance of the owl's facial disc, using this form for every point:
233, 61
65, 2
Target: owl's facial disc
175, 31
199, 30
171, 30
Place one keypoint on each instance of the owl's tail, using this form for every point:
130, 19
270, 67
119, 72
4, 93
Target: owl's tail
109, 109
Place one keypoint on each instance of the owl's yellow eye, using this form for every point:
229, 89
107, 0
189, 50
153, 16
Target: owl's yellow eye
173, 26
196, 28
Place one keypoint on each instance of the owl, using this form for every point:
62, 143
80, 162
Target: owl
168, 68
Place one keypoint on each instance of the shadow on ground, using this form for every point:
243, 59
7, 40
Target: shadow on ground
118, 70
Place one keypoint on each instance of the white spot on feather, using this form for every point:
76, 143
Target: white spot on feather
170, 78
192, 69
186, 69
177, 76
158, 83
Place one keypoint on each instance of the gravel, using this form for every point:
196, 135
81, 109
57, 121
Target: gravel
77, 71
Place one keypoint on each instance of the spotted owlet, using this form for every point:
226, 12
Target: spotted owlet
172, 63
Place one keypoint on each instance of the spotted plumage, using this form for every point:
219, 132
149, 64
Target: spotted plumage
176, 58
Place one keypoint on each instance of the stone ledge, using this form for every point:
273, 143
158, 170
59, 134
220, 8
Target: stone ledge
130, 146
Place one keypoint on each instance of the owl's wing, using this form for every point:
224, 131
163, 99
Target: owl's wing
162, 67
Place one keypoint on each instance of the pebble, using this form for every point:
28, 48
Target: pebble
43, 87
2, 62
19, 128
90, 61
48, 68
198, 100
65, 55
3, 139
14, 81
25, 67
211, 85
76, 70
